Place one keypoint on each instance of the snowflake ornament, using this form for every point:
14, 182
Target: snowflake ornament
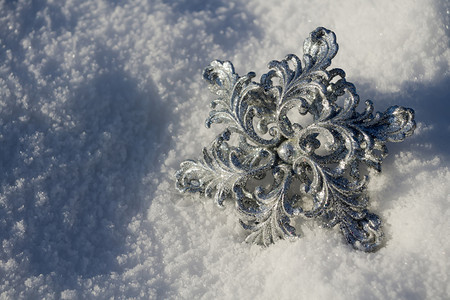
295, 147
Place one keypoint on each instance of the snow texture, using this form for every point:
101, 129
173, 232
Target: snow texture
101, 100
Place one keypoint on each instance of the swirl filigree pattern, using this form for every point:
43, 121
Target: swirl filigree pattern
295, 146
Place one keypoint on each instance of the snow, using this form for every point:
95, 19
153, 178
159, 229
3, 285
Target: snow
101, 100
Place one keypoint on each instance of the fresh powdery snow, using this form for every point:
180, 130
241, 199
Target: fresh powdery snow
100, 101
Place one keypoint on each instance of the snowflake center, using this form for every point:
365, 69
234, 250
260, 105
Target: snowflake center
287, 151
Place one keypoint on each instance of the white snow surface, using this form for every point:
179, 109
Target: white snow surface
100, 101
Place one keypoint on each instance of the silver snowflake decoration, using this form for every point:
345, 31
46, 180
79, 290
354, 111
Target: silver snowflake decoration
295, 147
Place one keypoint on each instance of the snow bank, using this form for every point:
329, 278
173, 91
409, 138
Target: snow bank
101, 100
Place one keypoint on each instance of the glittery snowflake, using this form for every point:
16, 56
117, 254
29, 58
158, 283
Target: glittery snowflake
295, 146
